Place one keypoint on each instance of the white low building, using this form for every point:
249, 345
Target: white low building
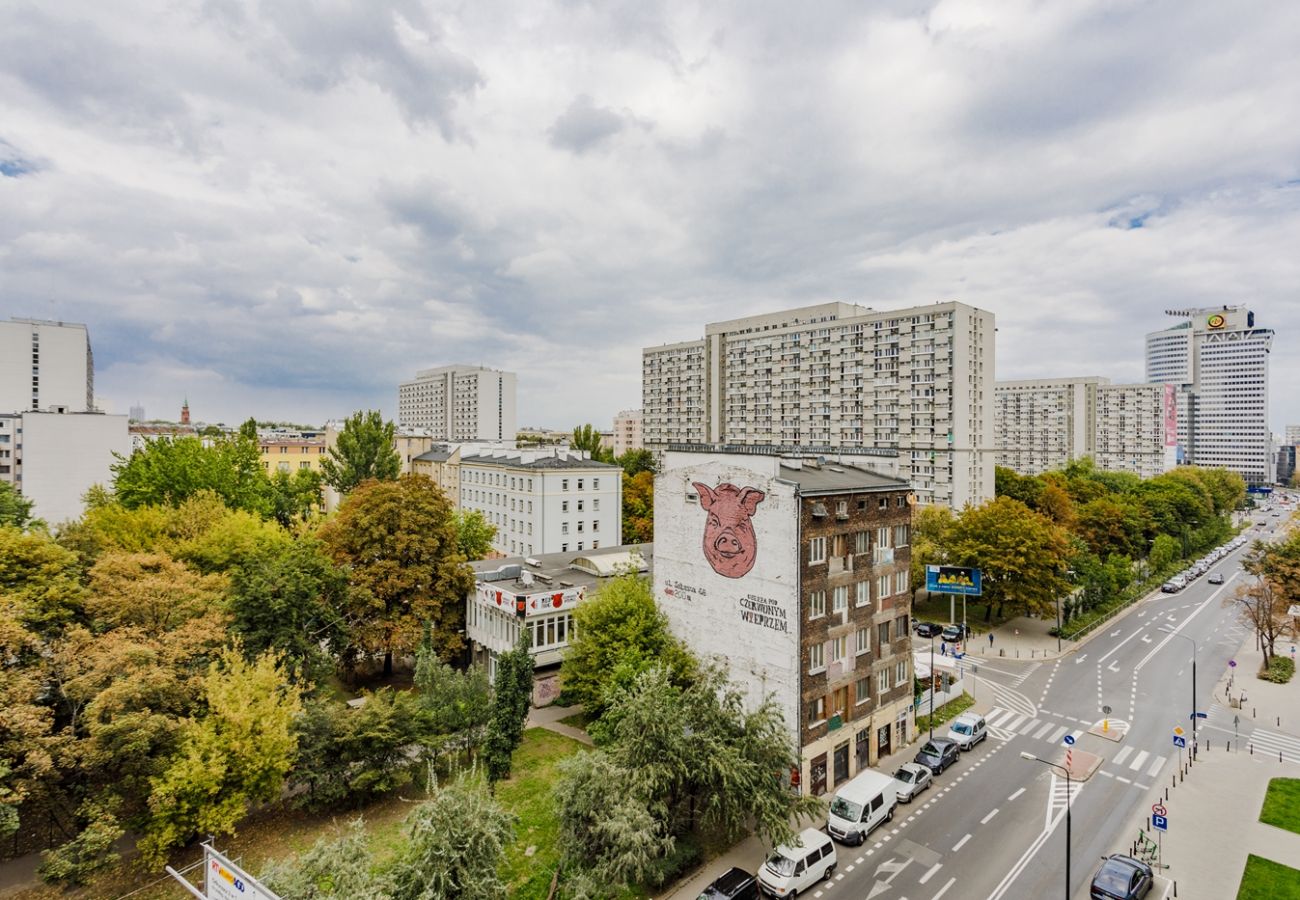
54, 458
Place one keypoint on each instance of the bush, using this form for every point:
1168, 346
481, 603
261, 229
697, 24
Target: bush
686, 854
1280, 670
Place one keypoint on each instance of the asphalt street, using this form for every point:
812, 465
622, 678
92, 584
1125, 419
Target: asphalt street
993, 825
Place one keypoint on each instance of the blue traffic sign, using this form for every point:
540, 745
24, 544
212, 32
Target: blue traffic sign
1069, 739
1202, 715
1180, 741
1160, 823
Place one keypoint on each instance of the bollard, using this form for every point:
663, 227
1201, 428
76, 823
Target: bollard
1252, 748
1175, 889
1279, 721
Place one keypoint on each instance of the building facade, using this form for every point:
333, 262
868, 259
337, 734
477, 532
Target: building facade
46, 366
838, 376
1217, 360
1040, 424
53, 458
290, 454
793, 573
459, 403
627, 431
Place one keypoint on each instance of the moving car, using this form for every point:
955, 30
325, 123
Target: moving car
927, 629
937, 755
862, 804
791, 869
1216, 578
1121, 878
967, 730
912, 778
956, 632
734, 884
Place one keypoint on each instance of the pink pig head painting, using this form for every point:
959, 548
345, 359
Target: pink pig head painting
730, 545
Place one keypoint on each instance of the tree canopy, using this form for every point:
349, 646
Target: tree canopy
363, 451
168, 472
588, 438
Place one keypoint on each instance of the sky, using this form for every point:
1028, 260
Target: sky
282, 208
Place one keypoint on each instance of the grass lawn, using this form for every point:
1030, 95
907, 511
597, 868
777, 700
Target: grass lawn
1282, 804
950, 710
1267, 880
527, 794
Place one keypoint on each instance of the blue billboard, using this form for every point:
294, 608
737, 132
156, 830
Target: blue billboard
953, 580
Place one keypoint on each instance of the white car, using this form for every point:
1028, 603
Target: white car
912, 778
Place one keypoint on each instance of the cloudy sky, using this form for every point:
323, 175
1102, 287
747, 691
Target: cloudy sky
284, 208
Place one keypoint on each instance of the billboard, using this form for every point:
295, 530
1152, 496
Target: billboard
224, 880
1171, 416
535, 602
953, 580
726, 569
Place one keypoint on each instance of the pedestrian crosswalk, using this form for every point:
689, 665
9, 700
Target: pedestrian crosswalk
1005, 724
1275, 743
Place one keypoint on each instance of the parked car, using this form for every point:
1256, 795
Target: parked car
912, 778
1170, 587
734, 884
1216, 578
967, 730
1121, 878
937, 755
859, 806
927, 629
956, 632
792, 870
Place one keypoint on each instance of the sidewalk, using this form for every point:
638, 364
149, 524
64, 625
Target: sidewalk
548, 717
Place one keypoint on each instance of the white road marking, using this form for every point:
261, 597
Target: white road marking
1139, 760
1076, 734
1122, 754
1029, 726
1120, 644
985, 820
960, 843
1047, 726
930, 873
943, 890
1006, 714
1056, 735
1014, 723
1015, 795
1156, 765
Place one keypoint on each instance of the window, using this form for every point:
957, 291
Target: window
816, 658
882, 538
595, 545
839, 648
902, 535
863, 589
884, 503
817, 550
564, 506
882, 586
579, 484
840, 598
816, 604
900, 628
863, 641
564, 528
564, 484
564, 548
882, 634
840, 702
580, 527
862, 542
900, 672
816, 710
863, 689
579, 545
579, 506
882, 681
595, 524
901, 580
595, 505
842, 509
595, 485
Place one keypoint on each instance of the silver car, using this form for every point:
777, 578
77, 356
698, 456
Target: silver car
912, 778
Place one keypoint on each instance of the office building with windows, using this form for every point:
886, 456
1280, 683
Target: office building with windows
46, 366
793, 574
627, 431
1217, 360
459, 403
918, 381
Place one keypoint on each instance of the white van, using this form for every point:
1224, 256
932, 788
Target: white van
967, 730
861, 805
790, 869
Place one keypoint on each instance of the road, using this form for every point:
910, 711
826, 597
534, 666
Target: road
993, 826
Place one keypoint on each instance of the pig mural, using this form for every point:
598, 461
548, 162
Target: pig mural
730, 544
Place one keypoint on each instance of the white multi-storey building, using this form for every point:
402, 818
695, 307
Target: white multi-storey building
459, 403
1292, 435
627, 431
1217, 359
46, 366
1040, 424
548, 500
838, 376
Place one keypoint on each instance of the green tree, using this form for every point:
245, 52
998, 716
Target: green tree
931, 527
474, 533
1009, 483
15, 509
1165, 551
512, 695
398, 542
587, 438
456, 841
293, 599
1022, 555
639, 508
619, 632
294, 497
341, 866
364, 450
459, 703
634, 462
167, 472
40, 581
234, 756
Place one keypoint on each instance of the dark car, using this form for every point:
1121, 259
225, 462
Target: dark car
927, 629
937, 755
957, 632
1121, 878
735, 884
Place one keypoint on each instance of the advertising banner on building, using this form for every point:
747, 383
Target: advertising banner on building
1171, 416
953, 580
532, 603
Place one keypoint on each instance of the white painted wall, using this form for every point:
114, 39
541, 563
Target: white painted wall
64, 455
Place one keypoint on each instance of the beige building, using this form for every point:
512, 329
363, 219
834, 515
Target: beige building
627, 431
838, 376
1040, 424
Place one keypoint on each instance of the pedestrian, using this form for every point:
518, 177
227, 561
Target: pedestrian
943, 648
990, 640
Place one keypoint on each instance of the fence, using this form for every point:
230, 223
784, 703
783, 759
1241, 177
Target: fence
941, 698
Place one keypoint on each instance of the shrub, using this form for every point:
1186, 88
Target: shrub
1280, 670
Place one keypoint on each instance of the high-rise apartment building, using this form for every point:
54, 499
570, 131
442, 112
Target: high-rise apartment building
46, 366
1041, 424
1217, 360
1292, 435
627, 431
459, 403
838, 376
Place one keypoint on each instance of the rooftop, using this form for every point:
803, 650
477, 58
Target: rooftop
544, 462
587, 568
838, 478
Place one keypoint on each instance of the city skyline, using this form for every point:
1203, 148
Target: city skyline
282, 215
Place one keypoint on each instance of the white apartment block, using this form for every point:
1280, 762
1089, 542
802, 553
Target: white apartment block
1217, 359
549, 500
54, 458
627, 431
46, 366
459, 403
1040, 424
1292, 435
837, 377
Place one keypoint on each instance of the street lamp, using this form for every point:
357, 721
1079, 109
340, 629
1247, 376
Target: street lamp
932, 685
1068, 797
1193, 642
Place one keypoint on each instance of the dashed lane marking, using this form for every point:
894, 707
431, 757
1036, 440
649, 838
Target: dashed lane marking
960, 844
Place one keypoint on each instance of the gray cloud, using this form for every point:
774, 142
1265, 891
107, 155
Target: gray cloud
284, 208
